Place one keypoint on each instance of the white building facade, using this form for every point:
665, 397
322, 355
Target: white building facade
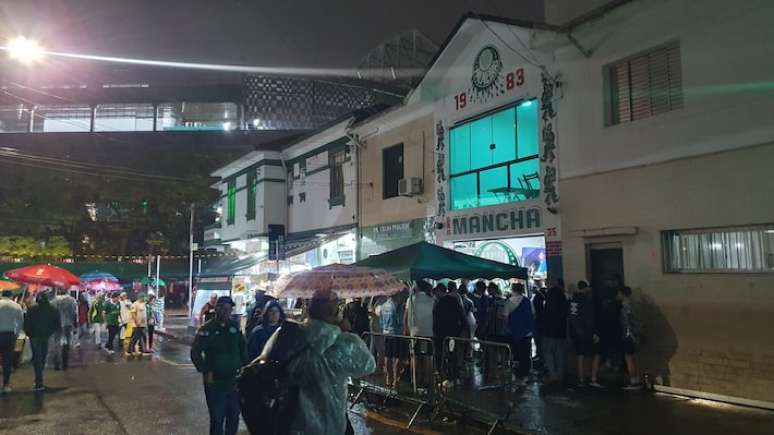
666, 144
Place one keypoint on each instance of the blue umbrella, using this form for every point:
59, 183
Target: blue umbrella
98, 276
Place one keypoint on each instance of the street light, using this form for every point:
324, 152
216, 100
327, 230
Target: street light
26, 51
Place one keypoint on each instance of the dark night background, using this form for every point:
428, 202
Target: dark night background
43, 203
259, 32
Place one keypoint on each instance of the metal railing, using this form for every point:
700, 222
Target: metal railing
471, 368
420, 397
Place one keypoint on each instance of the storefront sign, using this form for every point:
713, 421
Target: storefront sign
494, 223
395, 231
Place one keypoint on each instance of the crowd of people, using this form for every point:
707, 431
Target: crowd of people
539, 325
69, 319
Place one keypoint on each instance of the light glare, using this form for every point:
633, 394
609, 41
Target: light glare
26, 51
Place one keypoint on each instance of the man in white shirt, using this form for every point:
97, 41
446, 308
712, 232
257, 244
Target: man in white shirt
11, 322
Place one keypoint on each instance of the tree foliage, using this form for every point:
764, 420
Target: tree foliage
30, 247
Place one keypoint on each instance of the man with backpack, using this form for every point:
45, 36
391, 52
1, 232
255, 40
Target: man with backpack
219, 352
312, 362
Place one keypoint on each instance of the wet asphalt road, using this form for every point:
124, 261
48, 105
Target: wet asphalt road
104, 394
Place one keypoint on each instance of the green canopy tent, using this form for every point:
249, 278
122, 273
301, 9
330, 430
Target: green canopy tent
426, 260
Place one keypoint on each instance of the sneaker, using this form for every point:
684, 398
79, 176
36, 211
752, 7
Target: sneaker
596, 384
632, 387
7, 389
38, 388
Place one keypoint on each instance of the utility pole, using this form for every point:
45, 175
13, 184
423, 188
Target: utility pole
190, 261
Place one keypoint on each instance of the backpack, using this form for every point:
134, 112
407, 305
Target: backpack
267, 399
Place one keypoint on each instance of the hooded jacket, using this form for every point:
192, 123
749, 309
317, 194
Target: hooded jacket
327, 358
261, 333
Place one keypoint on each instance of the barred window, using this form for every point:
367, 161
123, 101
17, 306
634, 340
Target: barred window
748, 249
644, 85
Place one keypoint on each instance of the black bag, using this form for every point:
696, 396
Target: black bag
267, 400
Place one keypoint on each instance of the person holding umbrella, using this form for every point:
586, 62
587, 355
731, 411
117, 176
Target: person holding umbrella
41, 322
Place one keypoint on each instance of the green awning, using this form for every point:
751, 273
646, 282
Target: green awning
425, 260
124, 271
230, 266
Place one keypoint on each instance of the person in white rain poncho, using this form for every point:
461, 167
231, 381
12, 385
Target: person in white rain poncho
327, 357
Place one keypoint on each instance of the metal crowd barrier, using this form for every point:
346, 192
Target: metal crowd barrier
483, 367
414, 396
473, 369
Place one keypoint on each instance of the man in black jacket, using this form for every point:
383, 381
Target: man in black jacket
448, 321
554, 332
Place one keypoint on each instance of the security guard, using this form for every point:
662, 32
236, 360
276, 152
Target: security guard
218, 352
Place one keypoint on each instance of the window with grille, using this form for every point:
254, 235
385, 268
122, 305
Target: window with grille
748, 249
252, 191
644, 85
336, 165
231, 209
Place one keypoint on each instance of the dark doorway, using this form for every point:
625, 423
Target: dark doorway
606, 264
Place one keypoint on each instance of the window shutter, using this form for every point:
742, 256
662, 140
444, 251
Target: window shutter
646, 84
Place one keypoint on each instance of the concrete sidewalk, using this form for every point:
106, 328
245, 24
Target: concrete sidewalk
176, 327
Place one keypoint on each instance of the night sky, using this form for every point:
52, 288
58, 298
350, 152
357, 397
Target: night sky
311, 33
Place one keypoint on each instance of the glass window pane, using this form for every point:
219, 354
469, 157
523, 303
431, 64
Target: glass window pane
746, 249
525, 179
527, 129
480, 139
504, 135
464, 192
124, 117
64, 118
494, 184
198, 116
14, 119
460, 149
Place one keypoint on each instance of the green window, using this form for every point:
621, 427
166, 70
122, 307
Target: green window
494, 158
252, 188
231, 212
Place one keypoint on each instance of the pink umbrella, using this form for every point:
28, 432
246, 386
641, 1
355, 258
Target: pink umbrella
346, 281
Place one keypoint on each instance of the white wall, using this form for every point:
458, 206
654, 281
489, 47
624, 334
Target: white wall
315, 213
727, 58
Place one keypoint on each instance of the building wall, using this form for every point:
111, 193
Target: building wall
418, 141
705, 165
708, 332
559, 12
313, 184
727, 60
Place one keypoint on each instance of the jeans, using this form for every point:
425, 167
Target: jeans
151, 330
7, 345
62, 340
555, 356
112, 333
521, 349
99, 329
39, 353
138, 336
223, 405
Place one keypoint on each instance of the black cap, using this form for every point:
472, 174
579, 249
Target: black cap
225, 300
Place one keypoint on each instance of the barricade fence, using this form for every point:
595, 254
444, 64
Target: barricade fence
472, 374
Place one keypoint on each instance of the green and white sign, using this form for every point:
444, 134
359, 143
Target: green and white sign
492, 222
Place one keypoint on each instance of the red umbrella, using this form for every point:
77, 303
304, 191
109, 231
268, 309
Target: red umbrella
44, 274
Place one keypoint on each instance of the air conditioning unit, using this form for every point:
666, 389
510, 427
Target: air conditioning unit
410, 186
